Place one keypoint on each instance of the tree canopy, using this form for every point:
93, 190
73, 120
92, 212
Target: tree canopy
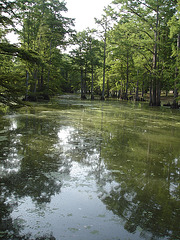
136, 51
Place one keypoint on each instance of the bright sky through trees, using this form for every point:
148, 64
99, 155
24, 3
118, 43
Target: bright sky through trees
85, 11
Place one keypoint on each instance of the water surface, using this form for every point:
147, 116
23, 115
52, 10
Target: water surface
78, 170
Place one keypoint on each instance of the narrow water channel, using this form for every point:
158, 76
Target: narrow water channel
82, 170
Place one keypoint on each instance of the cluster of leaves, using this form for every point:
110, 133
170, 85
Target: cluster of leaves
136, 50
32, 67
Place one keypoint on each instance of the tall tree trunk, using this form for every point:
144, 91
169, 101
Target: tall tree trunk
50, 53
158, 93
108, 88
142, 95
127, 77
27, 84
35, 80
83, 96
175, 102
104, 64
92, 83
85, 77
42, 78
137, 87
155, 98
119, 94
150, 93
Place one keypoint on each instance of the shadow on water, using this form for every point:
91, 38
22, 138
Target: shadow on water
90, 170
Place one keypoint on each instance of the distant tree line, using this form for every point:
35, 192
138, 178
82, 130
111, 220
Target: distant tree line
134, 50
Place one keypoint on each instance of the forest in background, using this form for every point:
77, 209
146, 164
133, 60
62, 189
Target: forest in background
132, 54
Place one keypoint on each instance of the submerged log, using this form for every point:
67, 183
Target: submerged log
173, 105
37, 97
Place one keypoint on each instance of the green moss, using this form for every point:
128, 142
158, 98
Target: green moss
3, 109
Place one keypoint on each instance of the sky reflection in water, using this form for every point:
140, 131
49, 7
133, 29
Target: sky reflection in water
92, 173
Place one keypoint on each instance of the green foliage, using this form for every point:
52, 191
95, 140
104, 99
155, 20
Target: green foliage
42, 35
6, 12
86, 58
143, 26
137, 51
13, 50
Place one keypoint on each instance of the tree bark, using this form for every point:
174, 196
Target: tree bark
127, 77
83, 96
27, 84
142, 95
175, 102
104, 64
85, 77
35, 80
155, 98
50, 52
42, 78
107, 89
92, 83
137, 87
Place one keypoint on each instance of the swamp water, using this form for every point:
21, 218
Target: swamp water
81, 170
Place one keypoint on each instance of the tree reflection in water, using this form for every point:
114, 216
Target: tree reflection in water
25, 161
136, 170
